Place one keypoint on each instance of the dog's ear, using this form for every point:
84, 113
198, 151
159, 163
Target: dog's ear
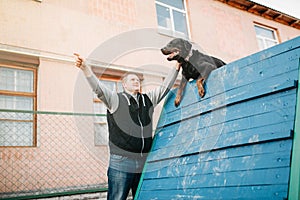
187, 45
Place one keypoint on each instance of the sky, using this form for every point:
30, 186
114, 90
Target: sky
290, 7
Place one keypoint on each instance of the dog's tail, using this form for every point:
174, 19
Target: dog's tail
218, 62
223, 63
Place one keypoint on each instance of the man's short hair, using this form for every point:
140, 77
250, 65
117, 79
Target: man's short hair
124, 77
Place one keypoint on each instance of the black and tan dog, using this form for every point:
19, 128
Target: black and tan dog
194, 64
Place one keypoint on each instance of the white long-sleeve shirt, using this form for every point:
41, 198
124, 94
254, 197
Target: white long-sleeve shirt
111, 99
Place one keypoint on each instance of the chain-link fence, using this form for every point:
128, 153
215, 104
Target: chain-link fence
49, 152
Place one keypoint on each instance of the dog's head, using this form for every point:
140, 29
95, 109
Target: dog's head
176, 49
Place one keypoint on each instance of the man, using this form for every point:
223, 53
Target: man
129, 117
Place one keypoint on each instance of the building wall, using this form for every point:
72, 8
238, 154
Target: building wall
52, 30
227, 32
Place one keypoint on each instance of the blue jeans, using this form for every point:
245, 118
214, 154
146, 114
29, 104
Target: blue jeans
123, 174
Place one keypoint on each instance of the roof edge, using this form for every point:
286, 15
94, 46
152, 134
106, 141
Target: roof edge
264, 11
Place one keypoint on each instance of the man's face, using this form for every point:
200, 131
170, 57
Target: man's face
132, 83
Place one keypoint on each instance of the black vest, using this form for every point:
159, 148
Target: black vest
130, 126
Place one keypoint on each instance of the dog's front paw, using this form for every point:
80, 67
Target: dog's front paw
200, 85
177, 101
201, 92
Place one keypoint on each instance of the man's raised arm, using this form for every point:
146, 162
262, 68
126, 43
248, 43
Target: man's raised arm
109, 97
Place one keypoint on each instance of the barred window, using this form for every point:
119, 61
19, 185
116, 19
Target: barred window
100, 122
172, 17
17, 92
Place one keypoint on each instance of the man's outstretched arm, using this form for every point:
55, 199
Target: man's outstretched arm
160, 92
106, 95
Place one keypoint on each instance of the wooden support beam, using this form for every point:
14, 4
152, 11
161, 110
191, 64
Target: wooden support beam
294, 186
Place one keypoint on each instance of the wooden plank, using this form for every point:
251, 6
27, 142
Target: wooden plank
258, 89
231, 179
279, 101
233, 75
231, 129
294, 186
186, 167
285, 47
236, 135
277, 151
265, 192
191, 144
275, 146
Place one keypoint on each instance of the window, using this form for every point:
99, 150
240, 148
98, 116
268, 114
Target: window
172, 17
266, 37
17, 92
100, 123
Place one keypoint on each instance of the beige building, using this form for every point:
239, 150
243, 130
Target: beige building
51, 143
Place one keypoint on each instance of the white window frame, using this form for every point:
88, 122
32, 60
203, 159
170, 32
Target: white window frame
265, 39
173, 32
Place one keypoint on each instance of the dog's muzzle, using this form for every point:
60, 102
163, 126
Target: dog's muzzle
171, 54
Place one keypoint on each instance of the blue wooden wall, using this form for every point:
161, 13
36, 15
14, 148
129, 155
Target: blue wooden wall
236, 142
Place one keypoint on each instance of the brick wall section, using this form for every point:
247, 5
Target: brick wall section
123, 11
